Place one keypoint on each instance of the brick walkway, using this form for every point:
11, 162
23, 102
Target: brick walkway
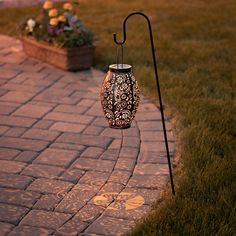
63, 171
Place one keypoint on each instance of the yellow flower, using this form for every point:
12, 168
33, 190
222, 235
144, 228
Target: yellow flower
48, 5
61, 18
53, 21
53, 13
67, 6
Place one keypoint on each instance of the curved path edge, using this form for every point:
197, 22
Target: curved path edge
63, 171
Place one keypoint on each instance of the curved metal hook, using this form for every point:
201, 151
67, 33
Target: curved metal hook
124, 26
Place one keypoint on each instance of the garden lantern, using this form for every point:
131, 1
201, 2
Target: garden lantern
120, 94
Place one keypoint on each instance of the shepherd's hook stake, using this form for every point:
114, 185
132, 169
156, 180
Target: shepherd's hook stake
157, 83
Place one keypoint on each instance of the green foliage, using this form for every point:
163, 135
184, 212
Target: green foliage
196, 46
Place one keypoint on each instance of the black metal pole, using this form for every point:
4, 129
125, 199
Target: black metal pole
157, 83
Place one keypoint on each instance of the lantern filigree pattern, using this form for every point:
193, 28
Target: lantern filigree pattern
119, 96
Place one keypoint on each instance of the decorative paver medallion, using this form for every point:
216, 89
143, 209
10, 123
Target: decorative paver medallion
64, 171
124, 200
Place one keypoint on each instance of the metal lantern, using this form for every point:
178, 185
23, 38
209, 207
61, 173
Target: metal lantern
119, 96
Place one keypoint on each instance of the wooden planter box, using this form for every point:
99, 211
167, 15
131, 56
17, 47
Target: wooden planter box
71, 59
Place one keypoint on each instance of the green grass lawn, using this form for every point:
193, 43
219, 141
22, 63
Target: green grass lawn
196, 45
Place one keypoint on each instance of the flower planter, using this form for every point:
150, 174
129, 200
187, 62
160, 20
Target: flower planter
71, 59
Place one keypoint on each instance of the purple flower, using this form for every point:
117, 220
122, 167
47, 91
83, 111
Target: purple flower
51, 29
59, 31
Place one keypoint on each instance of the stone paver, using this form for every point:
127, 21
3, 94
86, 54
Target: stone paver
67, 117
5, 109
110, 226
47, 202
5, 228
77, 198
67, 127
93, 152
148, 181
95, 178
49, 186
89, 213
3, 129
12, 214
150, 169
72, 227
120, 176
14, 181
63, 170
45, 219
41, 134
18, 197
16, 96
16, 121
33, 111
56, 157
72, 175
22, 230
123, 213
27, 156
99, 141
15, 132
11, 166
129, 152
45, 171
23, 144
91, 164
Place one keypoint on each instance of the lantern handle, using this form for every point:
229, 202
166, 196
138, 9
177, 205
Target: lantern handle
122, 55
124, 26
157, 84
